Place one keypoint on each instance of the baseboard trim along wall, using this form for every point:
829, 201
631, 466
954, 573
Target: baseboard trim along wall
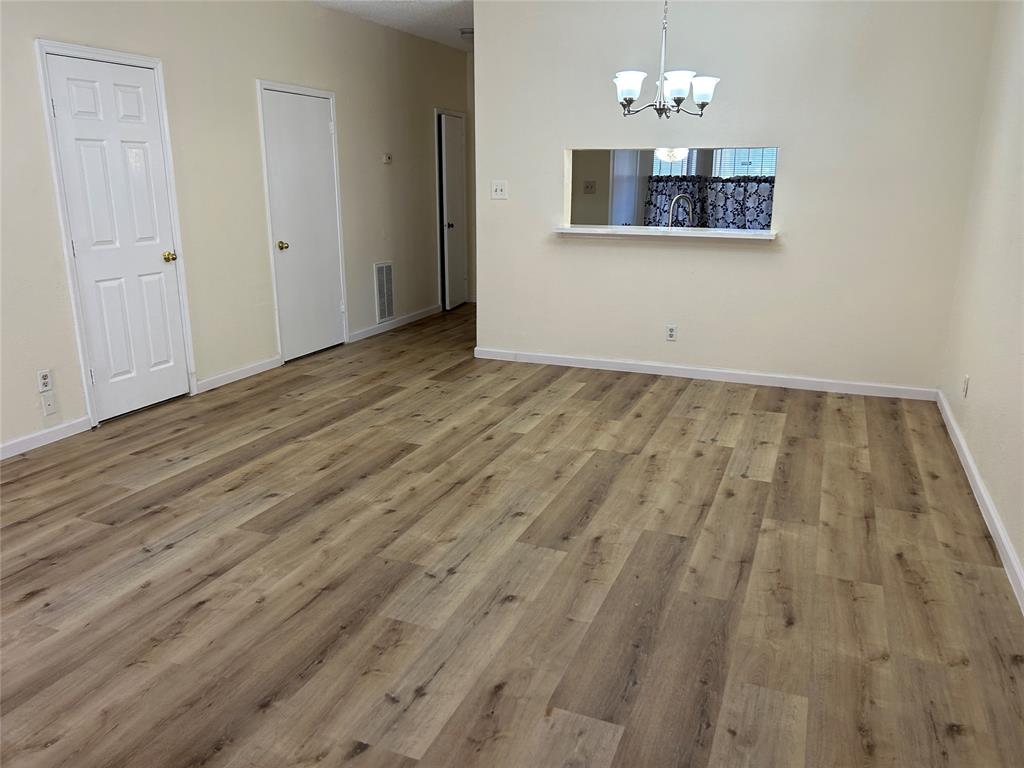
390, 325
205, 385
44, 436
73, 427
713, 374
1009, 556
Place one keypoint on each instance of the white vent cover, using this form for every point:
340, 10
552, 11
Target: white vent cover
384, 284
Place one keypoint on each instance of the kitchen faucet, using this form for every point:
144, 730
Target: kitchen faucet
689, 209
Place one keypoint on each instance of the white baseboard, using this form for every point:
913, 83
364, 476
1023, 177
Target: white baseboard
390, 325
714, 374
1009, 556
44, 436
205, 385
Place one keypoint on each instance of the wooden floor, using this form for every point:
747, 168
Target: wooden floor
392, 554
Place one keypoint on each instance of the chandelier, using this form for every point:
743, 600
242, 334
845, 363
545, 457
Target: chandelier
673, 86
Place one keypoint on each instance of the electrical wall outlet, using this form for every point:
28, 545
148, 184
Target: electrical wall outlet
967, 383
499, 189
671, 332
44, 380
49, 402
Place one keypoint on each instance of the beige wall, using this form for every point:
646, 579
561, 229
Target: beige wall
387, 84
984, 337
857, 284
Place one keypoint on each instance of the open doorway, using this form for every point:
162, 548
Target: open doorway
452, 229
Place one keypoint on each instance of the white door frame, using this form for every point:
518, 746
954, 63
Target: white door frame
44, 47
300, 90
438, 111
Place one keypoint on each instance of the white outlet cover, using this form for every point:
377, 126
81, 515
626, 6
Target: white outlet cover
44, 380
49, 403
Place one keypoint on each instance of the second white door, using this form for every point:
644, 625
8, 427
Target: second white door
453, 210
304, 223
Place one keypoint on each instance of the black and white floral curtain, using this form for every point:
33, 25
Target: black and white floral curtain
739, 202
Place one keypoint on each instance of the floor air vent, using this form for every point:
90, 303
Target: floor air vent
385, 291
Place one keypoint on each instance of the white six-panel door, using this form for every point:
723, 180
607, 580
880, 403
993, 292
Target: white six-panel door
301, 184
453, 210
111, 154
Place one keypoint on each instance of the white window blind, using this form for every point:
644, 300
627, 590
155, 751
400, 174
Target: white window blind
744, 161
730, 161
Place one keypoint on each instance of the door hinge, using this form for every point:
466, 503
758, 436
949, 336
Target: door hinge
92, 376
74, 253
330, 127
53, 108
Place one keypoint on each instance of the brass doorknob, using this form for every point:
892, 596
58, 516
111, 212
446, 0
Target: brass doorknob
170, 256
282, 245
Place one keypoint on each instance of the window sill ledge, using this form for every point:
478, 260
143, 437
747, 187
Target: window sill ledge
619, 231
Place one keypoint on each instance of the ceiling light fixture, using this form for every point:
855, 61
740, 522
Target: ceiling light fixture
671, 154
673, 86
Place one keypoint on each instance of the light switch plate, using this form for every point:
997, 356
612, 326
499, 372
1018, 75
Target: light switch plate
499, 189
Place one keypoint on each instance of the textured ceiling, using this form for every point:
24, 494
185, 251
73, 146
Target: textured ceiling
438, 20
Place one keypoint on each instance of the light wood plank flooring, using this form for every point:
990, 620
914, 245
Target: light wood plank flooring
393, 554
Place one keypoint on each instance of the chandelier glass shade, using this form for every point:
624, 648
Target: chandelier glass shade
673, 86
